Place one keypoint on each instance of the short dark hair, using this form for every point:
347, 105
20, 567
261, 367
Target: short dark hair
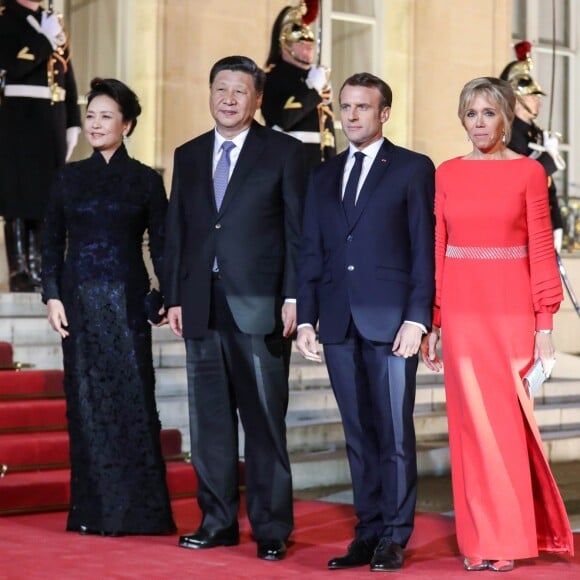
241, 64
498, 91
369, 80
122, 95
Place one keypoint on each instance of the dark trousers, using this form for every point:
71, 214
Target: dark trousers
229, 371
375, 392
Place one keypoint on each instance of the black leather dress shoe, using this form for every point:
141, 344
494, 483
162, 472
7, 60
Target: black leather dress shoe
359, 553
271, 549
202, 539
388, 556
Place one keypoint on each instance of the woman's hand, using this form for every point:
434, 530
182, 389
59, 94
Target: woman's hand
57, 317
545, 351
429, 350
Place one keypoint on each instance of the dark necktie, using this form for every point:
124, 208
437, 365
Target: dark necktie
349, 199
221, 175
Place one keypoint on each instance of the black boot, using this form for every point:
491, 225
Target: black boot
15, 240
34, 252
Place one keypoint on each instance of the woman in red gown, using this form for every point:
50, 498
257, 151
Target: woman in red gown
497, 288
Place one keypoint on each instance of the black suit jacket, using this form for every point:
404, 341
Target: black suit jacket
378, 270
255, 235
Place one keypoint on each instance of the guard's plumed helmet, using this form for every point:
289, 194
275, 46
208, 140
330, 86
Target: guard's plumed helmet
518, 72
294, 25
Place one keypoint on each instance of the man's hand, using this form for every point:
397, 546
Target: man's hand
57, 317
72, 138
316, 78
550, 145
306, 344
407, 341
50, 27
288, 318
174, 318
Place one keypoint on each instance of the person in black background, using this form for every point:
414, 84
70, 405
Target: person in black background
298, 96
39, 128
527, 138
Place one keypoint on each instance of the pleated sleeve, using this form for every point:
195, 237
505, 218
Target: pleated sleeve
546, 286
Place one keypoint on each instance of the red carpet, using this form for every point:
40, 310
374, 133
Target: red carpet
37, 547
34, 444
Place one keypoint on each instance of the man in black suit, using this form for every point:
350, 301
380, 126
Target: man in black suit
232, 245
366, 275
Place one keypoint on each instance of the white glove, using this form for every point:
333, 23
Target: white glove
550, 145
72, 137
316, 78
49, 26
558, 234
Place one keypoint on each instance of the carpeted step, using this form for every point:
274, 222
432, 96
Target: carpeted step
19, 384
49, 490
50, 449
38, 450
5, 354
32, 415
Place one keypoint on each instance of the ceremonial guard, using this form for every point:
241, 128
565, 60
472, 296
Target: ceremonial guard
298, 95
39, 127
527, 138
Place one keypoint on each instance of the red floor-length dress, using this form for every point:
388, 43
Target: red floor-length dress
497, 282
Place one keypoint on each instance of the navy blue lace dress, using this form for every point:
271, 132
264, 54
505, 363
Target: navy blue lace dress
92, 262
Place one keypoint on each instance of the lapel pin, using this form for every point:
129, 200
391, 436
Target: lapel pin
383, 160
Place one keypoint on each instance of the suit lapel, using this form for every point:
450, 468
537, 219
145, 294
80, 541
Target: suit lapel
205, 159
378, 169
251, 151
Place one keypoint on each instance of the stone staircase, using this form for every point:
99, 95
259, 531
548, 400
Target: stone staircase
315, 436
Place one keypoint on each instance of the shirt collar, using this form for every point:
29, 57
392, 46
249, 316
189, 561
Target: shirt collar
238, 140
370, 151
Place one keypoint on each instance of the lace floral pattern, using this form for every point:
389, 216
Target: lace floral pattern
92, 261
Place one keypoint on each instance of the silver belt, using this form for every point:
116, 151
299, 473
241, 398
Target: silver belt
484, 253
34, 92
304, 136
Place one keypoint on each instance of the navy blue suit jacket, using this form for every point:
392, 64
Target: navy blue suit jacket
380, 269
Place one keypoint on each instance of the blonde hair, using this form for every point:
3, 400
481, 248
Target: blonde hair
496, 90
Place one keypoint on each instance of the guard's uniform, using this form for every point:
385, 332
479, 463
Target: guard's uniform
523, 134
39, 104
289, 105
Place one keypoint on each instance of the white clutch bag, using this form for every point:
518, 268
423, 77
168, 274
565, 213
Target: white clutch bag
535, 378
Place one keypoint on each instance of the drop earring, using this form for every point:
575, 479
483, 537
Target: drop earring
503, 138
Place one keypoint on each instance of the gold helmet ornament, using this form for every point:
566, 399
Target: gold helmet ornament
518, 72
295, 22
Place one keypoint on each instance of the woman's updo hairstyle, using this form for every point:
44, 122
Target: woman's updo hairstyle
120, 93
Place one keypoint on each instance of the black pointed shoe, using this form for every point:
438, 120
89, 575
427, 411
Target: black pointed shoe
271, 550
203, 539
388, 556
359, 553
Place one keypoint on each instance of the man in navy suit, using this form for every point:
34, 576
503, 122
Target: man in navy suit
232, 243
366, 276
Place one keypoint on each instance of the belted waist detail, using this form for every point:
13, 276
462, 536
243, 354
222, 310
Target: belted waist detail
304, 136
483, 253
35, 92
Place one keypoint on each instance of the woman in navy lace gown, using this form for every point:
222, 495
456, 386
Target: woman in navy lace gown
94, 285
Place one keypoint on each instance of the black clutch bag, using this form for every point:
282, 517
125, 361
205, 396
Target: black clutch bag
153, 304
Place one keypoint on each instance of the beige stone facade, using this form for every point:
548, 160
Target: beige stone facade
427, 50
